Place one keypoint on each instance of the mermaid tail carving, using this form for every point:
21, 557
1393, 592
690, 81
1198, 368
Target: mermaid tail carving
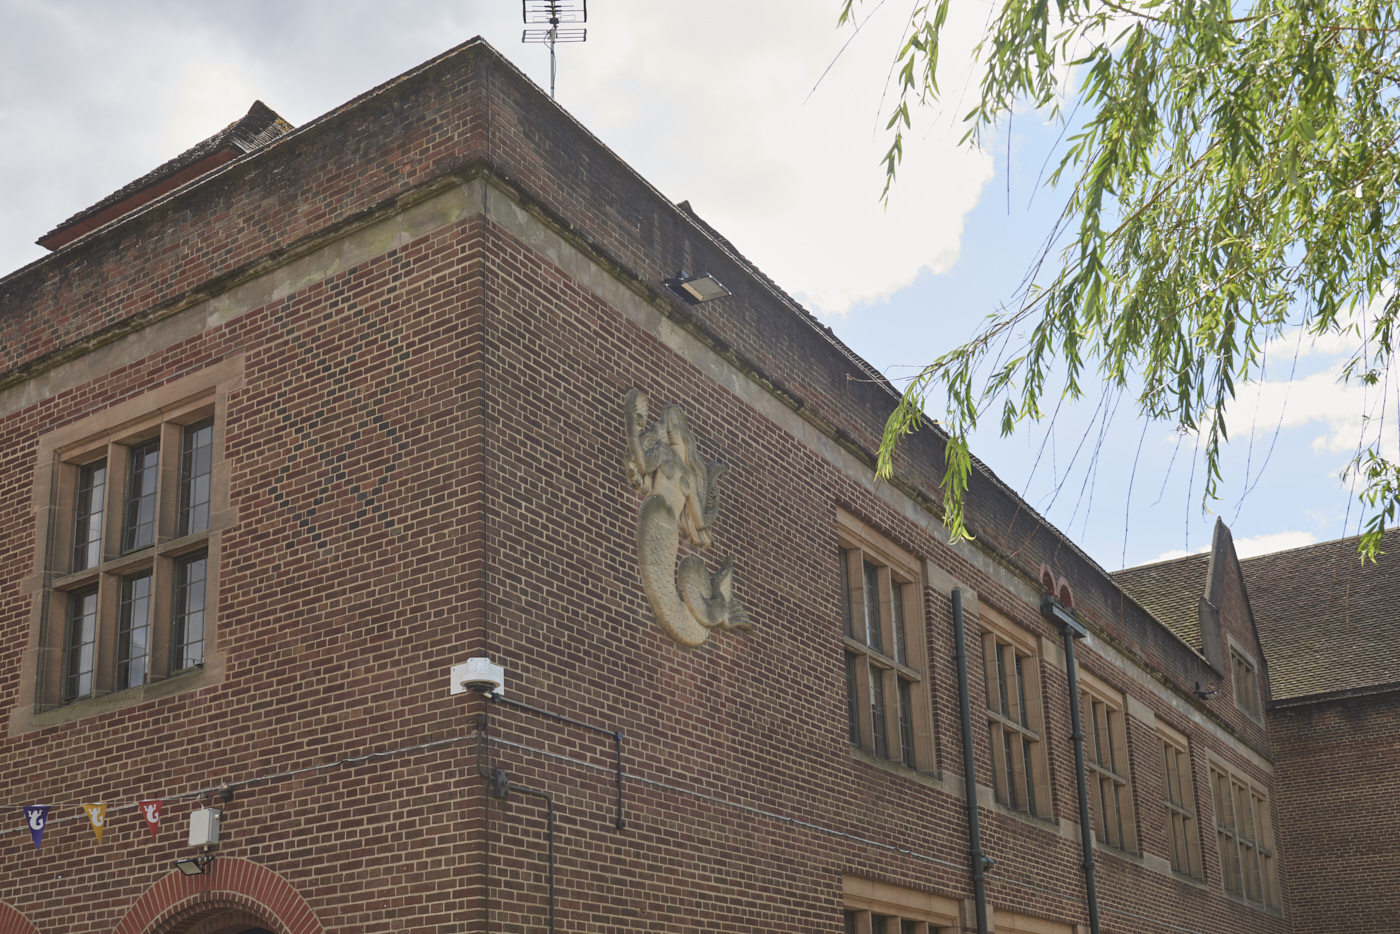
682, 500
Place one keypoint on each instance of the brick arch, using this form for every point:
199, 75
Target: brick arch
177, 901
1057, 587
12, 922
1066, 595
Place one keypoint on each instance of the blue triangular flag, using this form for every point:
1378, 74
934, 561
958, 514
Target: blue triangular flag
37, 815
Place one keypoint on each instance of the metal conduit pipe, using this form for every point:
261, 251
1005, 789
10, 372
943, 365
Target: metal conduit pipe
500, 786
1055, 611
549, 827
980, 863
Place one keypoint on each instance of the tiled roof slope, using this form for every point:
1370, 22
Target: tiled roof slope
258, 127
1171, 591
1327, 623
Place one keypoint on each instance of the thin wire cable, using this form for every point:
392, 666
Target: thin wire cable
830, 831
1128, 502
246, 782
748, 809
1283, 410
832, 64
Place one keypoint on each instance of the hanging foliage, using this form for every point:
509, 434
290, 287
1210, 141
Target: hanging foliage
1231, 175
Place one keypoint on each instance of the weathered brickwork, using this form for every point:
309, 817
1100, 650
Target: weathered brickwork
1337, 785
425, 463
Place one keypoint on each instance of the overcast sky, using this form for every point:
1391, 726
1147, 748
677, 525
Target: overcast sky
712, 102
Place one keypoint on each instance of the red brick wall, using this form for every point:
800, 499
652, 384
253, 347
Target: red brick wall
755, 720
1336, 792
348, 585
426, 464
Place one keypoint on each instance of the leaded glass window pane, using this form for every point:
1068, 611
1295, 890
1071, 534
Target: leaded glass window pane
901, 648
81, 645
852, 700
187, 629
877, 713
872, 607
87, 531
846, 622
134, 631
906, 724
196, 472
140, 529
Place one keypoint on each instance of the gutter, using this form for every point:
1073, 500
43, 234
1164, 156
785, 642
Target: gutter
1307, 700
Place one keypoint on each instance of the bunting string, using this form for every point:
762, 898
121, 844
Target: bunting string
83, 814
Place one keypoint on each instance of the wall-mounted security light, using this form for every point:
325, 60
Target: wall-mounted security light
480, 676
194, 866
696, 289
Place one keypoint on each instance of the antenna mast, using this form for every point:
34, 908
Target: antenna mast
555, 13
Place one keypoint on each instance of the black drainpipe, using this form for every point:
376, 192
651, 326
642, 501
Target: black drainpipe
980, 863
1073, 629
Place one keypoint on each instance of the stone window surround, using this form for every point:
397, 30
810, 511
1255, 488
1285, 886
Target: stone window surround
1008, 922
1263, 841
902, 568
1188, 810
998, 630
1239, 654
930, 914
1115, 702
68, 446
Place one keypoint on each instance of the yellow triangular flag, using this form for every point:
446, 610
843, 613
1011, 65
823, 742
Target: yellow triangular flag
97, 814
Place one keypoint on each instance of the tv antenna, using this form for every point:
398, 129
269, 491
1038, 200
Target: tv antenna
561, 17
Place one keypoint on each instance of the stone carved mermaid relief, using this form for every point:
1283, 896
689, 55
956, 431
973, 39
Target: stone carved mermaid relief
681, 499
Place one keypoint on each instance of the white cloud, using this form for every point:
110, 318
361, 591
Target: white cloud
713, 108
1251, 546
706, 101
209, 95
1348, 412
1178, 553
1267, 544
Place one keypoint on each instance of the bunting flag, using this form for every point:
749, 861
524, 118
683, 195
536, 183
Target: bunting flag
37, 816
150, 810
97, 815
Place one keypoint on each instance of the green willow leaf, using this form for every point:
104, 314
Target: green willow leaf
1236, 175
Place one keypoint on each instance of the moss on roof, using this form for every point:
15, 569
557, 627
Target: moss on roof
1327, 622
1171, 591
255, 129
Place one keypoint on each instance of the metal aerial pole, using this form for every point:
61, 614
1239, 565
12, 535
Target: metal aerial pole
563, 18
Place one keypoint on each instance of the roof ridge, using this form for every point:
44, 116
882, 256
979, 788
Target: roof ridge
256, 128
1332, 541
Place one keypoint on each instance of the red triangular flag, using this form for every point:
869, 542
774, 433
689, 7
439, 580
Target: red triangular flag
150, 810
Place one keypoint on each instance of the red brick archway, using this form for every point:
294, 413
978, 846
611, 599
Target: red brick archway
12, 922
229, 884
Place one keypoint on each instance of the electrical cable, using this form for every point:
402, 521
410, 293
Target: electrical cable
248, 782
699, 795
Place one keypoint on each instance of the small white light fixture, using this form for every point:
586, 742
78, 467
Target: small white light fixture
479, 675
194, 866
699, 288
204, 827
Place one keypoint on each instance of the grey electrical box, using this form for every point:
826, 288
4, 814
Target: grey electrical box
204, 827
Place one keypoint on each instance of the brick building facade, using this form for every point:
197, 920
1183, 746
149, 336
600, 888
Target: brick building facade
292, 438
